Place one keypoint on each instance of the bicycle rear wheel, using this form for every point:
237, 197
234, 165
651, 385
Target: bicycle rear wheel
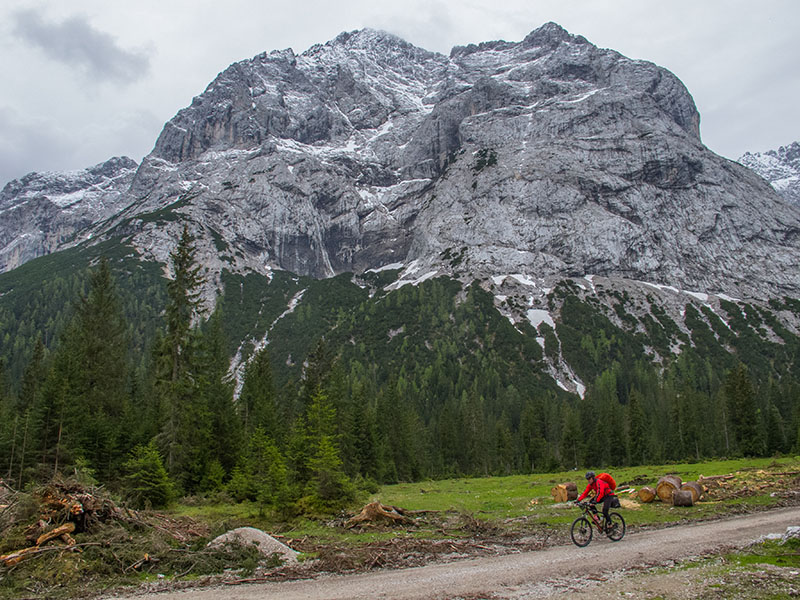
581, 532
616, 527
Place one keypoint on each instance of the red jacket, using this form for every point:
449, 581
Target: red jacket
601, 490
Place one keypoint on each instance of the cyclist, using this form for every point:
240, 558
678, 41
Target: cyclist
602, 491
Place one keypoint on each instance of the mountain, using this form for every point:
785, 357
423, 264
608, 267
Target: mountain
517, 165
547, 156
516, 257
45, 212
780, 167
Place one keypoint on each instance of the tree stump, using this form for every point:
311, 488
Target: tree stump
375, 512
695, 488
564, 492
667, 485
646, 494
682, 498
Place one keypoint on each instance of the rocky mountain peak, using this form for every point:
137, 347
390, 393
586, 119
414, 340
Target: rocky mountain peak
546, 157
781, 168
549, 35
368, 39
44, 212
60, 187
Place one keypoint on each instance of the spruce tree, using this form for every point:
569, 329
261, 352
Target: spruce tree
637, 429
92, 366
186, 426
571, 446
328, 486
30, 410
145, 480
743, 412
215, 391
256, 405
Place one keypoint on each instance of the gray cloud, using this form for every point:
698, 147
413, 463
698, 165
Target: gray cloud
27, 145
76, 43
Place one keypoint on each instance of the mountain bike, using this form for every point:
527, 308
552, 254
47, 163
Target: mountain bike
581, 530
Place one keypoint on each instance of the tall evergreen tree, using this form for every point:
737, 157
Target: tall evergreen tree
328, 486
637, 429
257, 405
215, 391
571, 447
743, 411
186, 427
93, 366
29, 411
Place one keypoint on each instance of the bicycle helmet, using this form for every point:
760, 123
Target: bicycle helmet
589, 474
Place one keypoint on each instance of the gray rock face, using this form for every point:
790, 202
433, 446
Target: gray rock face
45, 212
546, 157
781, 168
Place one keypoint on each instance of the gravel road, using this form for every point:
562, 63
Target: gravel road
526, 575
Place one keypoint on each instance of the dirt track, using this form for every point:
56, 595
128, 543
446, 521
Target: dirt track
519, 576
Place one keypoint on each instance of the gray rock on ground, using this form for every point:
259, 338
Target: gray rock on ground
267, 544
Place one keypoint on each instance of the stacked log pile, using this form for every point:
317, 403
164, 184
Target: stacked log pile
749, 482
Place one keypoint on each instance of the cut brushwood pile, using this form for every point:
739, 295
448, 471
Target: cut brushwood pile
64, 508
750, 483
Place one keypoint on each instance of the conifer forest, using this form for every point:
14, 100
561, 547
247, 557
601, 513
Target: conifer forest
114, 371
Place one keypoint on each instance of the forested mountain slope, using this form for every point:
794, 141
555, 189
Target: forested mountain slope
373, 262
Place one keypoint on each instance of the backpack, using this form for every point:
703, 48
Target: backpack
609, 480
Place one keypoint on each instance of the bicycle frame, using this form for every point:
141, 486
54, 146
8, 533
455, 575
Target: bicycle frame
590, 511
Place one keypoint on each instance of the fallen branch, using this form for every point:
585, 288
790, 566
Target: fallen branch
66, 528
15, 557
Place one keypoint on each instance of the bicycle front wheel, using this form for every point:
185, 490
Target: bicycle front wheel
581, 532
616, 527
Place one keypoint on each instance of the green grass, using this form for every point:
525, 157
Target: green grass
771, 552
513, 502
502, 498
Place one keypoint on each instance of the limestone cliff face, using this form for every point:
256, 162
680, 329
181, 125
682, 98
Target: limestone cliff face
547, 157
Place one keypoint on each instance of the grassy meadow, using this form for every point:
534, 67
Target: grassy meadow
520, 502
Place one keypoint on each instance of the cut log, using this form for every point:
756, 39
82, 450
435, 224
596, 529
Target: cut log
667, 485
647, 494
55, 533
564, 492
682, 498
375, 512
695, 488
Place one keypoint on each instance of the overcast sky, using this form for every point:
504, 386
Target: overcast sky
85, 80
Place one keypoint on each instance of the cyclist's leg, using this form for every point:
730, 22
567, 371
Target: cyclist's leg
606, 507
